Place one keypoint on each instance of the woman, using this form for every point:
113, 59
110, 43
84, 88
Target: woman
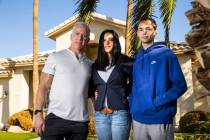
111, 79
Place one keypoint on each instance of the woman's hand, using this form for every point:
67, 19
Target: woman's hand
96, 94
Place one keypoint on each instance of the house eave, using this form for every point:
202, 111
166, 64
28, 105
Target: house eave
6, 74
63, 27
22, 64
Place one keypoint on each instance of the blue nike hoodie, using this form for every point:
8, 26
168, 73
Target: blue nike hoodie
157, 83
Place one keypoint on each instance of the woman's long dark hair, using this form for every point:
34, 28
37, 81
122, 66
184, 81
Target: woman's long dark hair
102, 60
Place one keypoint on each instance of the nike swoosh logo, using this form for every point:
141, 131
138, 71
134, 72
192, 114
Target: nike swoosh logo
153, 62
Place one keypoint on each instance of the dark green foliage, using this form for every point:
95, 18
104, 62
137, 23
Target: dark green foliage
142, 9
167, 9
196, 122
85, 9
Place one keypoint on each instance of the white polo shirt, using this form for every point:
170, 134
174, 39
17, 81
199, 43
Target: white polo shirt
68, 96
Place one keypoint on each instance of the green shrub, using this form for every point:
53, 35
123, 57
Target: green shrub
196, 122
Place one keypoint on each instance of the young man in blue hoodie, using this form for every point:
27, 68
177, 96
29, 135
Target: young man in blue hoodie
157, 83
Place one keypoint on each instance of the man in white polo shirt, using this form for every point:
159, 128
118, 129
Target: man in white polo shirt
67, 74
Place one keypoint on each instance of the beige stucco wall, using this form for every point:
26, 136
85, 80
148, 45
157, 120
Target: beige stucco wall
4, 103
18, 94
201, 93
205, 3
19, 90
63, 41
185, 102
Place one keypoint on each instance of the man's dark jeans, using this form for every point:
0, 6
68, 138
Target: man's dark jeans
57, 128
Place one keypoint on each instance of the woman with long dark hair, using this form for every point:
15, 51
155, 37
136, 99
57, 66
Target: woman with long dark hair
111, 78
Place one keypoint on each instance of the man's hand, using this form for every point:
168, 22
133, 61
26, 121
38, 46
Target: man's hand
44, 85
39, 124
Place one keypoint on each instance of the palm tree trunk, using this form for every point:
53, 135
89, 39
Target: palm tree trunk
128, 28
35, 50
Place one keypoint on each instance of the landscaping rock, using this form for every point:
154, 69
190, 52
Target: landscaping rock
15, 129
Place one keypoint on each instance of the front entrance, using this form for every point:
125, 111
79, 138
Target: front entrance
91, 51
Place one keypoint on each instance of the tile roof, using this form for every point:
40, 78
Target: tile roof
24, 60
69, 22
7, 65
6, 73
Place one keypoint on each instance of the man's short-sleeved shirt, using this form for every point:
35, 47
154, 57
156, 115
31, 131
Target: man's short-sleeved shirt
69, 90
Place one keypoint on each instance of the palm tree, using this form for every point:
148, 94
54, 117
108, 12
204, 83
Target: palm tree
142, 9
139, 9
129, 29
85, 9
35, 49
145, 8
167, 10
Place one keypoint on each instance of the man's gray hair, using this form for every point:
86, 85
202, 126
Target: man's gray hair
82, 24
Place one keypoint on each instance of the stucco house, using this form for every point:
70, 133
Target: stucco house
16, 73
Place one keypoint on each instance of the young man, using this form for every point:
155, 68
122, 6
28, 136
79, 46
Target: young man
67, 74
157, 83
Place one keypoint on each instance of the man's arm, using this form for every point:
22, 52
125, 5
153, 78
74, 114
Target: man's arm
44, 85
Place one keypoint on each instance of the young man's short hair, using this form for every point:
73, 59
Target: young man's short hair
146, 20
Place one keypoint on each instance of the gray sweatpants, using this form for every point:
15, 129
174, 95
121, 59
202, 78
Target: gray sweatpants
153, 131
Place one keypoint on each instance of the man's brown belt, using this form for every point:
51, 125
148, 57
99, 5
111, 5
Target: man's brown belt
107, 110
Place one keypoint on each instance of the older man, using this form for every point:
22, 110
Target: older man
67, 74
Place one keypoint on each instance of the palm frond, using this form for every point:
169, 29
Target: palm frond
128, 28
85, 9
167, 10
142, 9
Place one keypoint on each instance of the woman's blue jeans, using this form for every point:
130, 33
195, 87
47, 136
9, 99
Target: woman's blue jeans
115, 126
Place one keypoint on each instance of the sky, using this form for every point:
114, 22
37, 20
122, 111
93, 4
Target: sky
16, 22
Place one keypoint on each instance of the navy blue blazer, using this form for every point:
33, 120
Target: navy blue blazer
117, 88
